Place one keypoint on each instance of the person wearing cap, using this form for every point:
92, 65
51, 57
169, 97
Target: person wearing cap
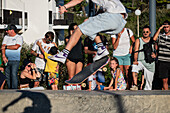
164, 52
46, 43
11, 50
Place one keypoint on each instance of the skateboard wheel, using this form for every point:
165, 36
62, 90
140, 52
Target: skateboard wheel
83, 84
104, 69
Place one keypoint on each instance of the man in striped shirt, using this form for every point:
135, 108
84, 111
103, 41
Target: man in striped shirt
164, 52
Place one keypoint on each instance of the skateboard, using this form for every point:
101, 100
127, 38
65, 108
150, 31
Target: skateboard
89, 70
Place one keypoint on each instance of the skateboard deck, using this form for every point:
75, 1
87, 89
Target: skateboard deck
87, 71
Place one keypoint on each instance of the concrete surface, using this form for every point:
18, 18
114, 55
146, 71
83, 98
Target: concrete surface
48, 101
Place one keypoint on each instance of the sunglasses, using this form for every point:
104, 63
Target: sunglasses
145, 31
29, 65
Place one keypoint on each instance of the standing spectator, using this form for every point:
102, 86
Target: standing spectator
11, 49
123, 49
140, 62
51, 67
75, 59
90, 48
164, 52
46, 43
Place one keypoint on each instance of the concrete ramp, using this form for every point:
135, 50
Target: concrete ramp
48, 101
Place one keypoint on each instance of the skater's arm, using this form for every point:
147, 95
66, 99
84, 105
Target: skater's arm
136, 53
68, 5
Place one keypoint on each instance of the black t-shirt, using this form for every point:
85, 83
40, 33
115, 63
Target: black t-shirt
77, 50
92, 46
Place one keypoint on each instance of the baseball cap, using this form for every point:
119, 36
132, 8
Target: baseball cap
10, 27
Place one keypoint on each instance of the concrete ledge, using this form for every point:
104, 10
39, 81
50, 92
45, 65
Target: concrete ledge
48, 101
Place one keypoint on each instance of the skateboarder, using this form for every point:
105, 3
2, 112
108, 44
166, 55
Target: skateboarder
112, 21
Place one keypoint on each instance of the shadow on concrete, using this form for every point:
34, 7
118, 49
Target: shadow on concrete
118, 100
41, 104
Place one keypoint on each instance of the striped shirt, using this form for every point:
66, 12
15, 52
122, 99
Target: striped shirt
164, 48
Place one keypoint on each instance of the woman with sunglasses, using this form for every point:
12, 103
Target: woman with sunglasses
28, 75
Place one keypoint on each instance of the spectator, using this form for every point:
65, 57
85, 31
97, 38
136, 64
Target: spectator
28, 75
123, 50
164, 52
46, 43
140, 62
117, 76
75, 59
11, 49
51, 67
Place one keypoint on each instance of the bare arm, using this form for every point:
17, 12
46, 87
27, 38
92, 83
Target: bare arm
136, 53
12, 47
115, 41
133, 41
28, 75
39, 44
5, 60
68, 5
111, 82
116, 79
157, 33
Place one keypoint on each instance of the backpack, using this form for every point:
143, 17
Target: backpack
147, 49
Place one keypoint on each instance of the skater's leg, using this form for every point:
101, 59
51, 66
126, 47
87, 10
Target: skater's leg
62, 56
74, 39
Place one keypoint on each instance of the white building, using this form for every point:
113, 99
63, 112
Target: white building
33, 17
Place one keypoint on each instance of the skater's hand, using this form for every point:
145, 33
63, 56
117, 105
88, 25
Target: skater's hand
62, 9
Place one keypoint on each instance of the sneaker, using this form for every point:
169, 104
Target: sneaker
134, 87
102, 52
59, 57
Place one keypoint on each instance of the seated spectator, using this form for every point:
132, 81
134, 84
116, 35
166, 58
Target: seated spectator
28, 75
51, 67
120, 83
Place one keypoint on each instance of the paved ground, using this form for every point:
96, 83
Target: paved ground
48, 101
